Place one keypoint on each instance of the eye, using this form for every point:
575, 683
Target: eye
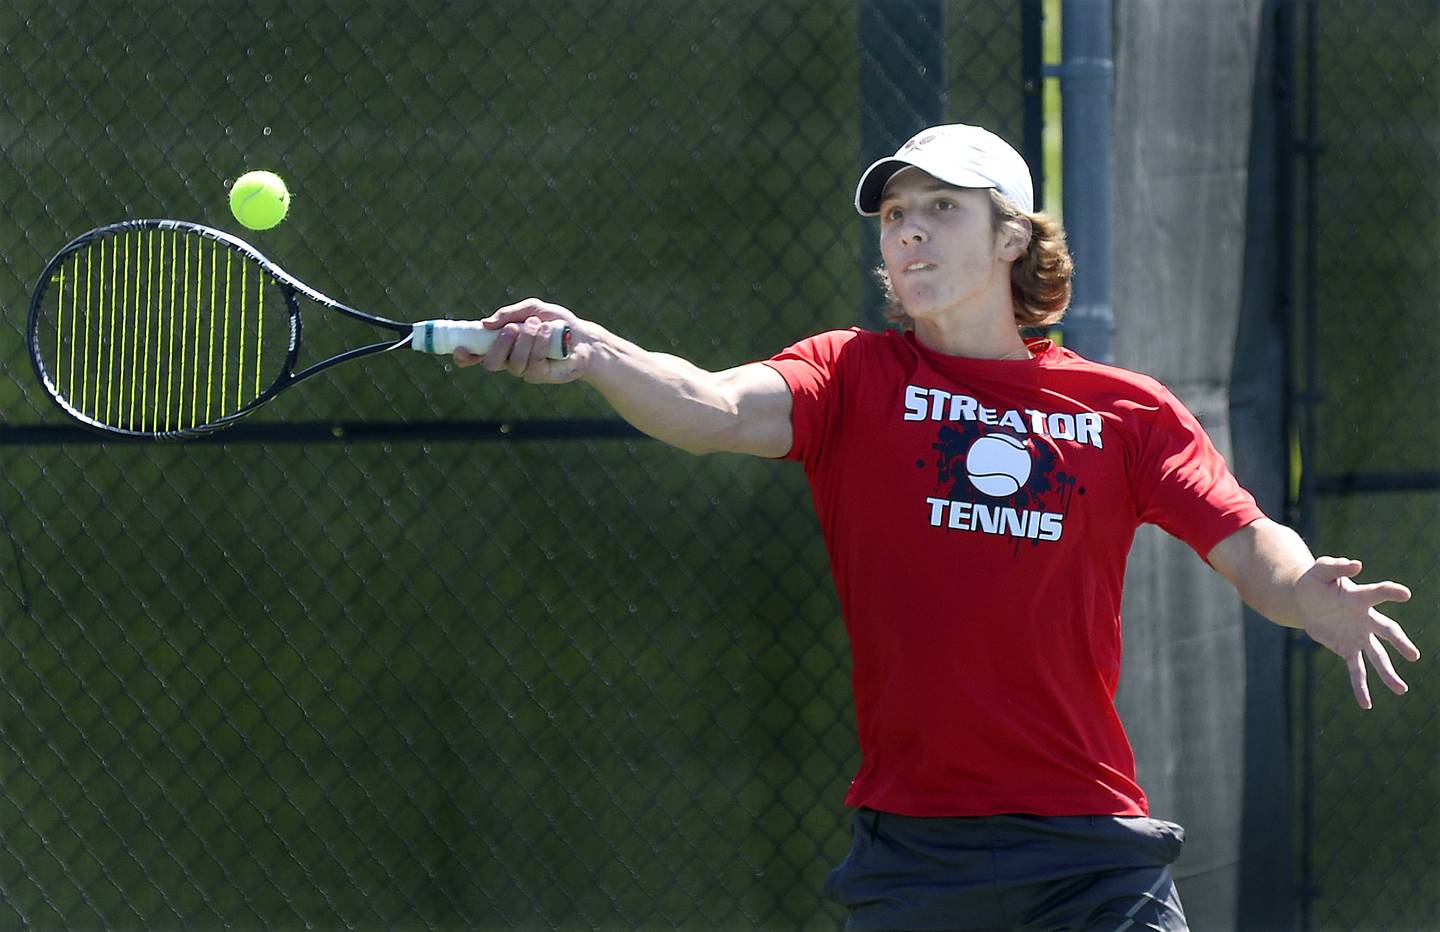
945, 203
891, 214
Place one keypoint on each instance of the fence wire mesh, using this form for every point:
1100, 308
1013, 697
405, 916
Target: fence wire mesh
579, 682
1371, 781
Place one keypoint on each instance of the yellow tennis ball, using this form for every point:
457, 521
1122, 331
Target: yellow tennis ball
259, 199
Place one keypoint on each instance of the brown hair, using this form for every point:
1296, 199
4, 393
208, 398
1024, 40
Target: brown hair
1039, 281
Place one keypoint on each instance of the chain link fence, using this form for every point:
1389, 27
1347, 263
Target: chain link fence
1369, 83
508, 666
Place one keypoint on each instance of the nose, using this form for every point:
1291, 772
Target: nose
911, 234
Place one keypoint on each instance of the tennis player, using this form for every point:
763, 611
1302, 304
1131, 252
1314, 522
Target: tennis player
978, 493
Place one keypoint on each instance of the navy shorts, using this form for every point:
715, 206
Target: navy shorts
1009, 873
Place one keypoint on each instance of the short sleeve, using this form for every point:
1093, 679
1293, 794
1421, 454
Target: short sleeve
1183, 484
812, 370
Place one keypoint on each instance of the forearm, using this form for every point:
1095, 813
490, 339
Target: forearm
1264, 562
742, 410
664, 396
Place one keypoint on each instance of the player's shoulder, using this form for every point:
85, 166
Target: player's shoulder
1108, 377
833, 345
841, 337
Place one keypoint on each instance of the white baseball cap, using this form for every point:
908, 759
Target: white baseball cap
965, 156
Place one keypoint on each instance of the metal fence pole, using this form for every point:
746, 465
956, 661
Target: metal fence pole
1087, 89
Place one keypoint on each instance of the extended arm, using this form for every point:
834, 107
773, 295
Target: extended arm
1275, 573
740, 410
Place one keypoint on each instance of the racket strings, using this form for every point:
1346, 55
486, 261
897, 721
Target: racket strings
157, 331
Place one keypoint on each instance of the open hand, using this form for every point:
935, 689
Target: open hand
1341, 614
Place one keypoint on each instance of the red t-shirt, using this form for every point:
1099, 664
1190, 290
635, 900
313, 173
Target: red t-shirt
978, 515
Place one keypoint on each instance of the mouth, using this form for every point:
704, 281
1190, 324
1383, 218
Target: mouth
917, 266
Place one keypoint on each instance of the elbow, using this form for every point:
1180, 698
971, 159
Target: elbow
722, 439
696, 449
718, 432
736, 433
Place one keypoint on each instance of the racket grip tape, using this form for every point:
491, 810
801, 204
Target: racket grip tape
444, 337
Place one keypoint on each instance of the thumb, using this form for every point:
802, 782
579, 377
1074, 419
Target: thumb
521, 311
1330, 569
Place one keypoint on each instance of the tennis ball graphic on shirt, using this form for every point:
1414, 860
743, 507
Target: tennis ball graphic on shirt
998, 465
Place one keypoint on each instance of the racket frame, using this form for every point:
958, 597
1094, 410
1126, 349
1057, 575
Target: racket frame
290, 287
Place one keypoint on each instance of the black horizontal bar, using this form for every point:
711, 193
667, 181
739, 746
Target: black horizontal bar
1349, 483
346, 432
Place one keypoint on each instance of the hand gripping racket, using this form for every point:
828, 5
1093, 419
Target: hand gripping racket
168, 329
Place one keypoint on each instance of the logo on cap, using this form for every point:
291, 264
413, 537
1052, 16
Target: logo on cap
918, 141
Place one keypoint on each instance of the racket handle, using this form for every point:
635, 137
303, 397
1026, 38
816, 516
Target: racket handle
446, 336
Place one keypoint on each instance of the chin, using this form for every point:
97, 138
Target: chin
917, 309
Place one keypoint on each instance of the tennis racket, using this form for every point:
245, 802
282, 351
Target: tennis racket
168, 329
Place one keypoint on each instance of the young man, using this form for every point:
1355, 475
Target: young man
978, 494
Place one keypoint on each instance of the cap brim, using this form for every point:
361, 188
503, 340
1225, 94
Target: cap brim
872, 184
871, 189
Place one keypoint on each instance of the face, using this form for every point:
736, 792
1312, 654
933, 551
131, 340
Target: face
940, 246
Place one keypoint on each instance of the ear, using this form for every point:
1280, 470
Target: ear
1014, 239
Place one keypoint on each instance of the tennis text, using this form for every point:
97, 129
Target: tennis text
995, 519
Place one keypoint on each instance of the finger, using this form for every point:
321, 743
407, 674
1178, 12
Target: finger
524, 346
463, 357
1358, 683
497, 357
1388, 629
1380, 660
1386, 591
546, 336
546, 369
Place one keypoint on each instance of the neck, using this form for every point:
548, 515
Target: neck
991, 336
